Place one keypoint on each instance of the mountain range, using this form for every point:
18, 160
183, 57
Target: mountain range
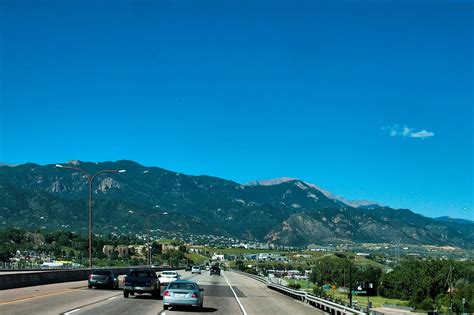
285, 211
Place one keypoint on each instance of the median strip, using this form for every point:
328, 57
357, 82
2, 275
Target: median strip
37, 296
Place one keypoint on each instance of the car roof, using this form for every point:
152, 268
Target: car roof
184, 281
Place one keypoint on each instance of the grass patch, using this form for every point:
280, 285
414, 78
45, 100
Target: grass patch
197, 258
305, 285
377, 301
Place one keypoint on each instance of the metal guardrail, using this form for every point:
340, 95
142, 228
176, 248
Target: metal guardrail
255, 277
320, 303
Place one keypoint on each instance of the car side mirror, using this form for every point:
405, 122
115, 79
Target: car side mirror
201, 290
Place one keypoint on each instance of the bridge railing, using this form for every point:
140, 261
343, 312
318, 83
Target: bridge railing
318, 302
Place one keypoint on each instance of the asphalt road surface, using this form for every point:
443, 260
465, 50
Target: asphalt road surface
227, 294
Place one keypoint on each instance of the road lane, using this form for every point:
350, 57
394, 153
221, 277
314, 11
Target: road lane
74, 298
218, 299
51, 299
258, 299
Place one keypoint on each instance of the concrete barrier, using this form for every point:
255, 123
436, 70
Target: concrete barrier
26, 279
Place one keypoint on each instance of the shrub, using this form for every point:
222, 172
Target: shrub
250, 270
426, 304
295, 286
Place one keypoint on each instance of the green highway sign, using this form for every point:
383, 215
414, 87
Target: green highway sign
358, 292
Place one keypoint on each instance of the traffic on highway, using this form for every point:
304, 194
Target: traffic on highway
201, 293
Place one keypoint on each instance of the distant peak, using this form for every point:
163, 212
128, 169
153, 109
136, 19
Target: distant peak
351, 203
270, 182
8, 164
280, 180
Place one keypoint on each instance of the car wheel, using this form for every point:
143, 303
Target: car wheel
132, 293
165, 307
125, 294
89, 286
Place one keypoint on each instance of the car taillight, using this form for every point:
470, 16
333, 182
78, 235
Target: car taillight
194, 295
166, 293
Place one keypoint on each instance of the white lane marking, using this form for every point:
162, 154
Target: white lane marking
73, 311
238, 301
113, 297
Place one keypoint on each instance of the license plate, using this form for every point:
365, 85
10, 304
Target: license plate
138, 288
179, 295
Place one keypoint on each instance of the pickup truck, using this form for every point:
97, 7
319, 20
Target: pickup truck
141, 281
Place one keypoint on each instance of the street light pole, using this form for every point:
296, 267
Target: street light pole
90, 180
340, 255
148, 234
350, 282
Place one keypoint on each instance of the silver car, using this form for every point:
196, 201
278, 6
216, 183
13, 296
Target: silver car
183, 293
196, 269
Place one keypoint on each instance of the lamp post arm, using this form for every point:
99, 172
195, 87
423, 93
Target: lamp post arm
76, 169
103, 171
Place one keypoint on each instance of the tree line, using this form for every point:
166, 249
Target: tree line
427, 284
67, 245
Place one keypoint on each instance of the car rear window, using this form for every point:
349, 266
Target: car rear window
182, 286
101, 272
141, 274
168, 273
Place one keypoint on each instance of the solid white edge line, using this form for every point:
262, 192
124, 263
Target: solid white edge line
238, 301
113, 297
73, 311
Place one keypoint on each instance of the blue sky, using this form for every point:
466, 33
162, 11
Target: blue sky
368, 100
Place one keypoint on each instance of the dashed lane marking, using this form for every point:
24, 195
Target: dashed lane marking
90, 304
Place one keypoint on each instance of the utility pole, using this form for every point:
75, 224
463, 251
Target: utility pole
340, 255
449, 282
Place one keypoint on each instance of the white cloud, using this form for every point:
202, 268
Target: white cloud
422, 134
399, 131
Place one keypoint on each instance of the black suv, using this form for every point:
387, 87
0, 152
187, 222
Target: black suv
103, 278
188, 268
215, 270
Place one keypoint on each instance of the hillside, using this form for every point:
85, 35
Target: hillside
289, 212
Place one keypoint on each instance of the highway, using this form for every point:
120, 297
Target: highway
227, 294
